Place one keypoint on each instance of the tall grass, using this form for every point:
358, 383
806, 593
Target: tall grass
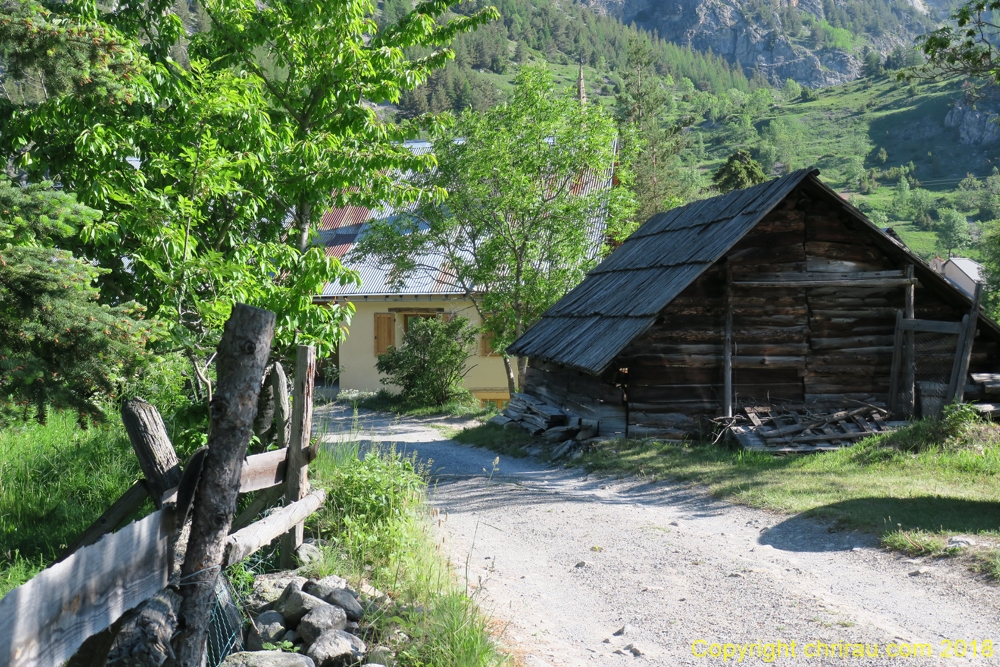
55, 480
378, 528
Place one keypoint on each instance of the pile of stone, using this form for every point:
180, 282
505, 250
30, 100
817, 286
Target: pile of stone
318, 618
563, 430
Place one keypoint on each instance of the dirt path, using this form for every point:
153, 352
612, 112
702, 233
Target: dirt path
565, 560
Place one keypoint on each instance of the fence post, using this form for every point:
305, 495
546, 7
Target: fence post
157, 457
282, 416
242, 357
297, 470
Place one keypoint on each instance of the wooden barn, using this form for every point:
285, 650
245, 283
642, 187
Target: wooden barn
781, 294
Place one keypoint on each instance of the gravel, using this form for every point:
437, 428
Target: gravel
669, 564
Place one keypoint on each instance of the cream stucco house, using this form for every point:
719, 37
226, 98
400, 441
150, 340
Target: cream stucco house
383, 311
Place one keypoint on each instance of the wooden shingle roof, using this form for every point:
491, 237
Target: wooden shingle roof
621, 298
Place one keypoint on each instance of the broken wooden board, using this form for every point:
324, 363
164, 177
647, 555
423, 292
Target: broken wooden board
769, 429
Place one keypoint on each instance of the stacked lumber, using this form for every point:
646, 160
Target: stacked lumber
808, 429
534, 415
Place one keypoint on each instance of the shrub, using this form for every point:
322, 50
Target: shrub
430, 364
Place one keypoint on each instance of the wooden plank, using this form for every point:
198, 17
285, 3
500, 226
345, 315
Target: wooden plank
854, 282
296, 482
152, 447
44, 622
752, 414
261, 502
970, 337
262, 471
122, 509
931, 326
909, 360
247, 541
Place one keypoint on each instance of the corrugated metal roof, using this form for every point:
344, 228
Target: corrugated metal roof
340, 228
621, 297
969, 267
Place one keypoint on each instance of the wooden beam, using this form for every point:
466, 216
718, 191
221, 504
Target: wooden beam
727, 348
897, 350
909, 360
296, 475
261, 502
45, 621
969, 340
244, 542
262, 471
157, 457
930, 326
122, 509
854, 282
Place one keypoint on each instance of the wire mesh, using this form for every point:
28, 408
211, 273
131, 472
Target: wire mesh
933, 359
225, 629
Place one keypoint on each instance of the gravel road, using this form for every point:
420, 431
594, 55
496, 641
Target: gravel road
562, 560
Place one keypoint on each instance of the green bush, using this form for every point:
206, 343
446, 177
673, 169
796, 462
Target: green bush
430, 364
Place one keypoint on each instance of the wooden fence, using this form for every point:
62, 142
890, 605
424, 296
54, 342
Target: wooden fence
102, 574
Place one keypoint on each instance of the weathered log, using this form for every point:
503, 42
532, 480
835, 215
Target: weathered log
242, 356
296, 472
246, 541
157, 457
263, 423
282, 410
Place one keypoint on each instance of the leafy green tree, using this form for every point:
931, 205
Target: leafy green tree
58, 347
921, 204
739, 171
872, 63
966, 46
791, 90
430, 364
953, 231
901, 199
514, 235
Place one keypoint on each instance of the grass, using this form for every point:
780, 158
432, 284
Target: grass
383, 400
55, 480
381, 532
508, 442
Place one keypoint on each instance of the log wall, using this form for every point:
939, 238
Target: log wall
824, 344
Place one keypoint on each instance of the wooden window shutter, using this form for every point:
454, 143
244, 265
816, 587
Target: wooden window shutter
385, 332
486, 345
447, 317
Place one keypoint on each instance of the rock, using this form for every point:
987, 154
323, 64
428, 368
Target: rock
975, 125
921, 570
499, 420
291, 636
268, 588
308, 553
297, 605
633, 649
961, 541
380, 655
336, 648
268, 628
319, 620
512, 424
267, 659
373, 593
582, 563
336, 595
623, 631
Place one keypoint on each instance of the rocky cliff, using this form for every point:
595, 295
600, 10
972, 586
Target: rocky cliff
977, 125
733, 29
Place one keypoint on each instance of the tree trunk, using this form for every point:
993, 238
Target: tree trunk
157, 457
511, 382
242, 357
522, 367
303, 214
296, 482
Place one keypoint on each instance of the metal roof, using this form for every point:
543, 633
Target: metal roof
621, 298
340, 228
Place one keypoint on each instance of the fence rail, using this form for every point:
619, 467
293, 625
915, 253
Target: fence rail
104, 574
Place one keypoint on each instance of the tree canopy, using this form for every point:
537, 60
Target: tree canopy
519, 227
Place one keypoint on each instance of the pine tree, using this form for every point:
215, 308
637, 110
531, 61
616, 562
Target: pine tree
58, 347
739, 171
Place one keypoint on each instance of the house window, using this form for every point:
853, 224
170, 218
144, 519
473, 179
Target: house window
409, 317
